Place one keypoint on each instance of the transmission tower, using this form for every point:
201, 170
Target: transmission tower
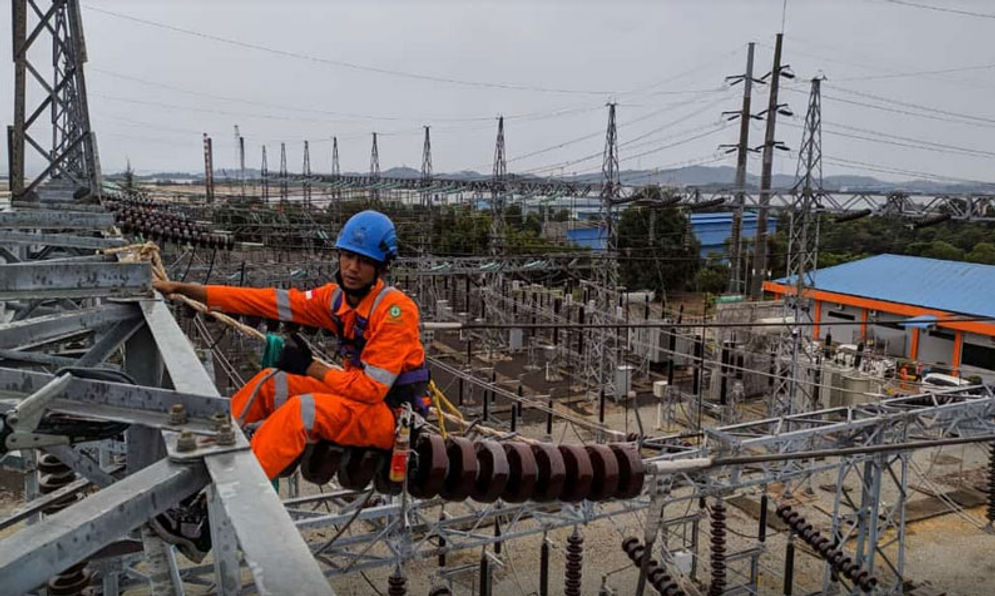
57, 29
375, 167
208, 168
742, 149
426, 167
264, 176
499, 174
794, 391
374, 159
306, 173
283, 174
773, 109
335, 157
604, 353
240, 150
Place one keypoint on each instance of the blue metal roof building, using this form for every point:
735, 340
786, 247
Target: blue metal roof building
915, 307
950, 286
711, 230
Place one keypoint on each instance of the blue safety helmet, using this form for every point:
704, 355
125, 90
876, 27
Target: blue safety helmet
371, 234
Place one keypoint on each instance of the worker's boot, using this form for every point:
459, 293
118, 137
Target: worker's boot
186, 526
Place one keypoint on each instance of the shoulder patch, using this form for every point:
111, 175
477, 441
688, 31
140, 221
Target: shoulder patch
394, 311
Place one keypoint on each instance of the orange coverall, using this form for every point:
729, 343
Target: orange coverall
345, 407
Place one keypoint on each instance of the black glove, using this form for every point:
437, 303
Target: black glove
296, 357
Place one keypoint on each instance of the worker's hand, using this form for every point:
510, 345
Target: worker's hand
296, 357
190, 290
166, 287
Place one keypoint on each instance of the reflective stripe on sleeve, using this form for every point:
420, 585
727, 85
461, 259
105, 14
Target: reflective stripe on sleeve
283, 311
382, 376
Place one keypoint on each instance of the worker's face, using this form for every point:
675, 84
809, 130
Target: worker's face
357, 271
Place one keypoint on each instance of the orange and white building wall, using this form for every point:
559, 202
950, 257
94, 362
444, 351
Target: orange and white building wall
963, 346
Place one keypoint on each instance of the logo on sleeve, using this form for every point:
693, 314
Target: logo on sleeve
394, 312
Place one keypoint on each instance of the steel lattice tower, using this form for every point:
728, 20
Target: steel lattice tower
604, 353
426, 167
208, 169
264, 177
72, 154
283, 173
374, 168
374, 159
306, 173
498, 176
793, 391
335, 157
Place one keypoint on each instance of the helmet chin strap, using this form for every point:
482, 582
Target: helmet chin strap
361, 292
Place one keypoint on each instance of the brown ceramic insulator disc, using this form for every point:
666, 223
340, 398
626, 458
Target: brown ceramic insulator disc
492, 472
432, 465
462, 472
631, 471
522, 473
605, 465
579, 475
321, 462
551, 472
358, 467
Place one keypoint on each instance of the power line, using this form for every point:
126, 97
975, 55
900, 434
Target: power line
924, 145
967, 13
917, 73
914, 105
342, 63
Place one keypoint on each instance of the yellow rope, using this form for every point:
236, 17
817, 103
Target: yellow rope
442, 404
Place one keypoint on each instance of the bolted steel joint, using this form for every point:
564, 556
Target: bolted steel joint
186, 442
178, 415
226, 435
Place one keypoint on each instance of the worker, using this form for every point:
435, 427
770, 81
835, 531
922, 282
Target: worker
302, 399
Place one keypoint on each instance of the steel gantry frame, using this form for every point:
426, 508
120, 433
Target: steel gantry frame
121, 326
71, 153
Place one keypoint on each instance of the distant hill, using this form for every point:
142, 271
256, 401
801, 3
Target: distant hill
715, 177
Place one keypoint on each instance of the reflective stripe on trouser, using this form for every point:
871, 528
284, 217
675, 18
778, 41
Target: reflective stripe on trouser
310, 414
315, 416
271, 393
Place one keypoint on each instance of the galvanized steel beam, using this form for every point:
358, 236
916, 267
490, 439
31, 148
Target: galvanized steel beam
29, 557
64, 280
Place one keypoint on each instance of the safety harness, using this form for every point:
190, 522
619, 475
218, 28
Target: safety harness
409, 387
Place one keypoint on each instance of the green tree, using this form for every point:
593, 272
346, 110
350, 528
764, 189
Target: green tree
656, 247
983, 252
938, 249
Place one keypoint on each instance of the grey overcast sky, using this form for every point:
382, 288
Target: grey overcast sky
324, 68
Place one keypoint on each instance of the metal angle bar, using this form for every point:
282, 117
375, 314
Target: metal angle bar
35, 280
224, 546
31, 556
82, 464
42, 502
109, 342
35, 358
56, 219
274, 550
135, 398
34, 332
65, 240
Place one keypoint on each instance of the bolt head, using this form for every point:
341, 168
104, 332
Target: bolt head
186, 442
177, 414
226, 435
